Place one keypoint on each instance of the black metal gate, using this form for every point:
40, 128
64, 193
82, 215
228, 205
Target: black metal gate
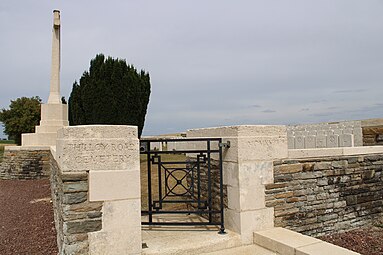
184, 176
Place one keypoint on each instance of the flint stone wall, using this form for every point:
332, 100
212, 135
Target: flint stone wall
25, 163
74, 215
318, 196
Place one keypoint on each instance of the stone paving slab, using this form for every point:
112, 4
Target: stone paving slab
169, 240
323, 248
244, 250
287, 242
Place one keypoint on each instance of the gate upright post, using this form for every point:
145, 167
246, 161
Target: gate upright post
247, 168
110, 156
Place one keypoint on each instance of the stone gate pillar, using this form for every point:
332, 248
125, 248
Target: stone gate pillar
247, 168
110, 156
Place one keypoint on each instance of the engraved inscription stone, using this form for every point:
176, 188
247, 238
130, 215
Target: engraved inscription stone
97, 154
102, 153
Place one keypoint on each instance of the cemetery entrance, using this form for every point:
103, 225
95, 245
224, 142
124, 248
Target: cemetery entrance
182, 177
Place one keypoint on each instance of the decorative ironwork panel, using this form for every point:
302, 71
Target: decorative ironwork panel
179, 179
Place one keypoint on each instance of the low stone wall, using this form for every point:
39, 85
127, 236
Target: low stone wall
317, 196
74, 215
25, 163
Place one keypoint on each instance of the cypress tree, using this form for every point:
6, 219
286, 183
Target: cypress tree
111, 92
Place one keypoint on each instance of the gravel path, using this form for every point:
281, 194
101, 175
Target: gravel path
26, 218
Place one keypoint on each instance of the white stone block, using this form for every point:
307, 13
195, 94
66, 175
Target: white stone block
122, 214
362, 150
358, 136
248, 143
233, 220
262, 148
38, 139
252, 221
283, 241
310, 141
233, 198
127, 242
323, 248
332, 141
320, 152
230, 174
98, 154
114, 185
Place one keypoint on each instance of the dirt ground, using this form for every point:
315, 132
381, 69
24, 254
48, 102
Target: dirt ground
366, 241
27, 227
26, 218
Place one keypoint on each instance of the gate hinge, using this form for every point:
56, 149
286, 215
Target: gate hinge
225, 145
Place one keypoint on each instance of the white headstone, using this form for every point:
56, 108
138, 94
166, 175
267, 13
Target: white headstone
346, 140
321, 141
332, 141
299, 142
310, 141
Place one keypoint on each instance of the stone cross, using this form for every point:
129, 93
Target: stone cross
54, 95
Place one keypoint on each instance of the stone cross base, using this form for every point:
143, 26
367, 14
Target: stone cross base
53, 117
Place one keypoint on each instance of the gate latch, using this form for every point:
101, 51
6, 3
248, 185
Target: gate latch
225, 145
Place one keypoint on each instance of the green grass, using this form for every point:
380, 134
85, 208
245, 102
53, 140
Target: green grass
7, 142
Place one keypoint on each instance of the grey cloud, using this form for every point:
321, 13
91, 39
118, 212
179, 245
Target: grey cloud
268, 111
211, 62
350, 91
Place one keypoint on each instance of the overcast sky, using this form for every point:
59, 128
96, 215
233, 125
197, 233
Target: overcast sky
211, 62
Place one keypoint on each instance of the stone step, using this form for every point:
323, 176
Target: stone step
287, 242
187, 242
39, 139
169, 240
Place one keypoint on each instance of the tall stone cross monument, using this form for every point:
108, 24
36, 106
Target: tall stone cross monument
54, 114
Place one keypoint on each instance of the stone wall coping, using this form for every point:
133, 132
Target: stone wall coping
288, 242
328, 152
98, 132
240, 131
372, 122
53, 152
26, 148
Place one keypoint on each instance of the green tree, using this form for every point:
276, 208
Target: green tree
21, 117
111, 92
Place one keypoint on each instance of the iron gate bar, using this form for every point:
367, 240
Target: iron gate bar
203, 156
